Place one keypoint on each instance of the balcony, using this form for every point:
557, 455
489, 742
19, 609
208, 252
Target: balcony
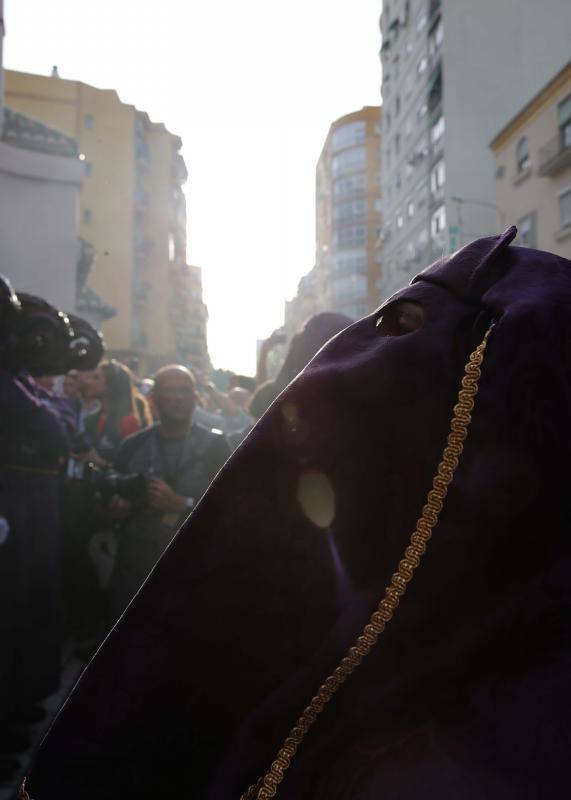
29, 134
556, 154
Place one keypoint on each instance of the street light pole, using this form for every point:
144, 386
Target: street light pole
459, 201
474, 202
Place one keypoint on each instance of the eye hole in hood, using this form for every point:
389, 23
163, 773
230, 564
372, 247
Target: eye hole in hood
401, 317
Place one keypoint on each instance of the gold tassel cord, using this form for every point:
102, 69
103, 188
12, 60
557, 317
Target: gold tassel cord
268, 785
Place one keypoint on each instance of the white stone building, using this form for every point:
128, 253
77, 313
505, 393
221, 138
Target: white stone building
40, 177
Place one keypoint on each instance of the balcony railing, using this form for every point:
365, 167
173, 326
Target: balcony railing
29, 134
556, 154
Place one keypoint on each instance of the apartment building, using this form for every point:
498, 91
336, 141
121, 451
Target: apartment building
453, 73
132, 213
348, 216
533, 168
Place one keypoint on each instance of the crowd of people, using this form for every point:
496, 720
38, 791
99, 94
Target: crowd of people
99, 467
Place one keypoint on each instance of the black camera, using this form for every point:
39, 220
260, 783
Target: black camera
106, 483
36, 337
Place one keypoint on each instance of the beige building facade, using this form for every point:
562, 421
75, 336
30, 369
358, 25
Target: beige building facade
132, 211
533, 168
348, 215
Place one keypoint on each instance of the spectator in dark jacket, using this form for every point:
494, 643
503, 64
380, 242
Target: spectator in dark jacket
179, 459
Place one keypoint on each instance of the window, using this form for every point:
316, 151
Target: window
410, 208
522, 154
346, 187
350, 262
88, 168
527, 230
397, 180
350, 286
438, 221
89, 121
422, 64
399, 219
87, 216
421, 21
350, 236
437, 130
347, 211
437, 177
349, 161
397, 105
388, 121
435, 39
565, 208
378, 204
397, 144
564, 114
348, 135
435, 87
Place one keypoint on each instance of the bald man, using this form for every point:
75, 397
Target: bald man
179, 458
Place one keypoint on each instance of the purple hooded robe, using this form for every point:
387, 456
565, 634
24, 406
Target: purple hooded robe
467, 693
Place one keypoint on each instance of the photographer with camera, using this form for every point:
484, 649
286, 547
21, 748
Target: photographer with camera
178, 459
88, 538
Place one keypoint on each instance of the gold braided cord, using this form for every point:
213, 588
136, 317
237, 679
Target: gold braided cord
268, 785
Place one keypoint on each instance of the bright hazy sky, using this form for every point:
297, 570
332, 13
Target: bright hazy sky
251, 86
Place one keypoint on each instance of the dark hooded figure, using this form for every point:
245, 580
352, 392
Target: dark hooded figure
273, 577
304, 345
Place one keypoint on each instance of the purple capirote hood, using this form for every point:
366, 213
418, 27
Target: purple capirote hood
272, 577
